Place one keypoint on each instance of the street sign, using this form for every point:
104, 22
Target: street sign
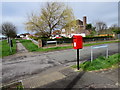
97, 47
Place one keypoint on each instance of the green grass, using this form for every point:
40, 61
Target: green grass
100, 63
32, 47
15, 86
98, 43
29, 45
5, 48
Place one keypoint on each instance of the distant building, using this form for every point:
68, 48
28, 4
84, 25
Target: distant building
24, 36
81, 29
56, 33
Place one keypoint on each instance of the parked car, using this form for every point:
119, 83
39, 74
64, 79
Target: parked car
58, 37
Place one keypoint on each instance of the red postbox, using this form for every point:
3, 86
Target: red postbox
77, 42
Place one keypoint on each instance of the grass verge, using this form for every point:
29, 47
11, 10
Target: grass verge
5, 48
32, 47
13, 86
98, 43
100, 63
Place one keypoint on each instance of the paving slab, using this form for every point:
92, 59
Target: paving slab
38, 81
86, 80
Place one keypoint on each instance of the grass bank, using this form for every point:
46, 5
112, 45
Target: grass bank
100, 63
5, 48
32, 47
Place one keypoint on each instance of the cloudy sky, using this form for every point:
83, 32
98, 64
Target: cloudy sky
16, 12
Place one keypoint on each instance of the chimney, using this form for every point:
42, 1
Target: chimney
84, 21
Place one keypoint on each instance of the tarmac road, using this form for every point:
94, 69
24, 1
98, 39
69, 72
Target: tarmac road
27, 64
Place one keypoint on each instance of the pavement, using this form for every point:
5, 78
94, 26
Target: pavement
68, 78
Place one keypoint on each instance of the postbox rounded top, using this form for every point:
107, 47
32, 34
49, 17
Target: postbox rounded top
77, 36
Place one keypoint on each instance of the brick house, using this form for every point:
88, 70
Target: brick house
80, 29
56, 32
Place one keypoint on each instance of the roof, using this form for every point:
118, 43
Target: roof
79, 22
56, 32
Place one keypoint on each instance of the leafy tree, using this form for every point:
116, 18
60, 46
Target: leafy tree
114, 28
40, 34
89, 26
9, 30
53, 16
117, 31
93, 32
91, 29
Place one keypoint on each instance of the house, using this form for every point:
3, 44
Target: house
24, 36
56, 33
79, 29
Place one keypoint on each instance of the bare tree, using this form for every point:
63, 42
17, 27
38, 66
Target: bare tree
115, 28
101, 27
8, 29
52, 17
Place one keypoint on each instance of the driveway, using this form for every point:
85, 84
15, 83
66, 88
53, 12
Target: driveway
27, 64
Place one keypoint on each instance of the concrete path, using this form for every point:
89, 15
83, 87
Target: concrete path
21, 48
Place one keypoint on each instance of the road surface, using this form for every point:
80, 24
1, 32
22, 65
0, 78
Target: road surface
27, 64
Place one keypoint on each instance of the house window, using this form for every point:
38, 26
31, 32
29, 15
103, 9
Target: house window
63, 30
72, 29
